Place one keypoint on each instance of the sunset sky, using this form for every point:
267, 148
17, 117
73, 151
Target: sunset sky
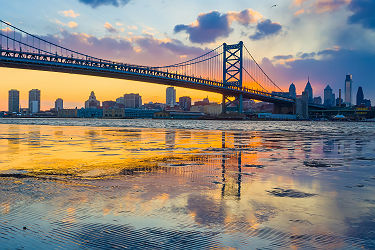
323, 39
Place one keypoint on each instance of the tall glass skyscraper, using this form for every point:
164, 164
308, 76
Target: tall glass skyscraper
171, 96
14, 101
34, 101
348, 89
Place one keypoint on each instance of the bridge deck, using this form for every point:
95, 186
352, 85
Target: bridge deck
55, 63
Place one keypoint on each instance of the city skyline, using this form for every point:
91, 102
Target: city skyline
140, 38
327, 98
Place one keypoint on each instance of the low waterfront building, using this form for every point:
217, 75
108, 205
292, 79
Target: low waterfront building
212, 109
113, 113
185, 115
140, 113
67, 113
270, 116
90, 113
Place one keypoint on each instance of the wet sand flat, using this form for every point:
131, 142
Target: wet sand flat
181, 184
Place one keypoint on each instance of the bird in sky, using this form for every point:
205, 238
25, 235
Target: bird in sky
275, 5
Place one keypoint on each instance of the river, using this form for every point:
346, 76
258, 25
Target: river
87, 183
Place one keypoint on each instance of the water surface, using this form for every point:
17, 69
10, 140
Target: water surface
186, 184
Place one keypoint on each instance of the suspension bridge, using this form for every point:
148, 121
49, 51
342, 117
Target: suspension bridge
229, 70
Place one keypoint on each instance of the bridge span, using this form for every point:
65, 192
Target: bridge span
229, 70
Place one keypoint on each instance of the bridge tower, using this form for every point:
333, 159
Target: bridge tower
232, 73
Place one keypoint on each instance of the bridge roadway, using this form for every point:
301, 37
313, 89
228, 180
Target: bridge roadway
103, 68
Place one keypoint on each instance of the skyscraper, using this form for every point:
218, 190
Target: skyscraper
132, 100
185, 103
329, 97
309, 91
360, 96
92, 102
59, 104
171, 96
14, 101
292, 90
34, 101
348, 90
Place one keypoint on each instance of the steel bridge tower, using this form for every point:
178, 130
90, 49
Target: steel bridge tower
232, 73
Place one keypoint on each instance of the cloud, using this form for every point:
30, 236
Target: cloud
363, 13
265, 29
322, 6
142, 50
299, 12
318, 6
213, 25
97, 3
72, 24
282, 57
208, 28
110, 28
69, 13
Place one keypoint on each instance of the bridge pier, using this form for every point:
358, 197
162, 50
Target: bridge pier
226, 102
284, 109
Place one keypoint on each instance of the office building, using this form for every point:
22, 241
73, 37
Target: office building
360, 96
14, 101
59, 104
329, 97
185, 103
317, 100
292, 91
132, 100
92, 102
34, 101
120, 100
348, 90
171, 97
309, 91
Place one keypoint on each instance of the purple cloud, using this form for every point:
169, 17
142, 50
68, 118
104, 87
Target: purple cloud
265, 29
145, 50
213, 25
210, 27
363, 13
96, 3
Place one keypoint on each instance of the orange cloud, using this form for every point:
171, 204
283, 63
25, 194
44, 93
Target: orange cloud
299, 12
322, 6
69, 13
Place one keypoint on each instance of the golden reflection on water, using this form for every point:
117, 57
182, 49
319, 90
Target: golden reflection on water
173, 178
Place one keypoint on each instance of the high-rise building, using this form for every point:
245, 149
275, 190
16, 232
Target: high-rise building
360, 96
292, 91
309, 91
329, 97
120, 100
171, 97
317, 100
348, 90
185, 103
59, 104
14, 101
92, 102
132, 100
34, 101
